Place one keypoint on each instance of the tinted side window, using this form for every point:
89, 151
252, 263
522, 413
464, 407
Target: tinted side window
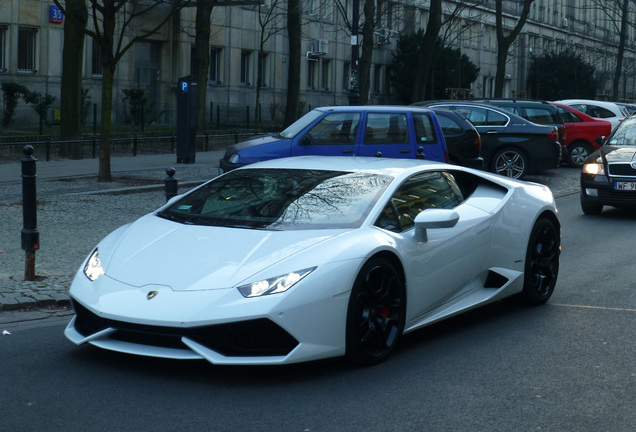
335, 128
496, 119
449, 126
600, 112
386, 128
423, 125
420, 192
568, 116
477, 116
540, 115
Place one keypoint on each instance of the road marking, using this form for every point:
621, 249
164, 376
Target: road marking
594, 307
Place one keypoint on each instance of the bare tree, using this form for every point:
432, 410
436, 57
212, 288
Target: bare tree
202, 47
116, 26
504, 41
618, 15
425, 58
270, 20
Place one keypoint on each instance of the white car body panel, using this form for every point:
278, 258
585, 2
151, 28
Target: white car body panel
194, 271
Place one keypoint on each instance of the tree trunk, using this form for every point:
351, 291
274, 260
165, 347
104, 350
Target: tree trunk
504, 42
366, 59
293, 62
621, 50
427, 50
202, 56
107, 106
71, 89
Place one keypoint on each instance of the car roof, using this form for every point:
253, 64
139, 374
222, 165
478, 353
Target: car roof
373, 108
604, 104
512, 116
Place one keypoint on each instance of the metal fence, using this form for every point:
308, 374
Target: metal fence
129, 145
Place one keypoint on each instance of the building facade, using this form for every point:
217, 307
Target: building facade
251, 41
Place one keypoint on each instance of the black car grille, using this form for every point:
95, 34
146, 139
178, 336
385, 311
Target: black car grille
612, 197
258, 337
622, 169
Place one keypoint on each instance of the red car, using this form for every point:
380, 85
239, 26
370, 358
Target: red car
582, 131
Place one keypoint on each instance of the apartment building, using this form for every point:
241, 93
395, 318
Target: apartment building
31, 42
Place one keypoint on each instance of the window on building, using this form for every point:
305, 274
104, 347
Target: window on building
324, 74
97, 68
26, 49
262, 68
311, 75
245, 67
3, 52
215, 61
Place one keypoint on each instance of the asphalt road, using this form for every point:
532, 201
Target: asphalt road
566, 366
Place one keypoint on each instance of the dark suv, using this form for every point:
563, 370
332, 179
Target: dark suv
537, 111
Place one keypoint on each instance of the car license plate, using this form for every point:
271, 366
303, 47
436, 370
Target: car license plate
625, 186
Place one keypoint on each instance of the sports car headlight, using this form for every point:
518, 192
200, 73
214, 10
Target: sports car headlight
93, 268
594, 169
274, 285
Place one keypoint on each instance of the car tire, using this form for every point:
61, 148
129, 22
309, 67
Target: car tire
591, 209
577, 153
376, 313
542, 262
510, 162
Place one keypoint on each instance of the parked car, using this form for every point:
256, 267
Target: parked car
462, 138
510, 145
304, 258
381, 131
582, 133
598, 109
608, 177
537, 111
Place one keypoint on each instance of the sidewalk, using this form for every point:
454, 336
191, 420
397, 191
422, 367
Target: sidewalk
75, 211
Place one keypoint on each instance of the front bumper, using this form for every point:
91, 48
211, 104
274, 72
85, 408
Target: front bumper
221, 326
599, 189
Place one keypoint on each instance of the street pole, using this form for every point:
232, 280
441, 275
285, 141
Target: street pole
354, 91
30, 235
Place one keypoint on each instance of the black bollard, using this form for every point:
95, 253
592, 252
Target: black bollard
30, 234
172, 184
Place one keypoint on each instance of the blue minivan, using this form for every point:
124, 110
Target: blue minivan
380, 131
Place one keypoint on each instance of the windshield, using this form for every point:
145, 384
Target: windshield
625, 134
300, 124
281, 199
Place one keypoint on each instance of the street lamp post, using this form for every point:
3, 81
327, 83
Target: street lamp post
354, 91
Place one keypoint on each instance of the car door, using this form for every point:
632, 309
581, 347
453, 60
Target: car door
335, 134
387, 134
441, 268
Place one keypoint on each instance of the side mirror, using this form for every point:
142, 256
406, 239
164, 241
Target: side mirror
434, 218
600, 140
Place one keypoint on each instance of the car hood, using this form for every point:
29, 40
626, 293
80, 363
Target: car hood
251, 143
618, 154
191, 257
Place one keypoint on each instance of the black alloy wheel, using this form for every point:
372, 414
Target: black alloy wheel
510, 162
542, 262
376, 313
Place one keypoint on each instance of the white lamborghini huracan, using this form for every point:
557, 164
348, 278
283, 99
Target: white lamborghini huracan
305, 258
